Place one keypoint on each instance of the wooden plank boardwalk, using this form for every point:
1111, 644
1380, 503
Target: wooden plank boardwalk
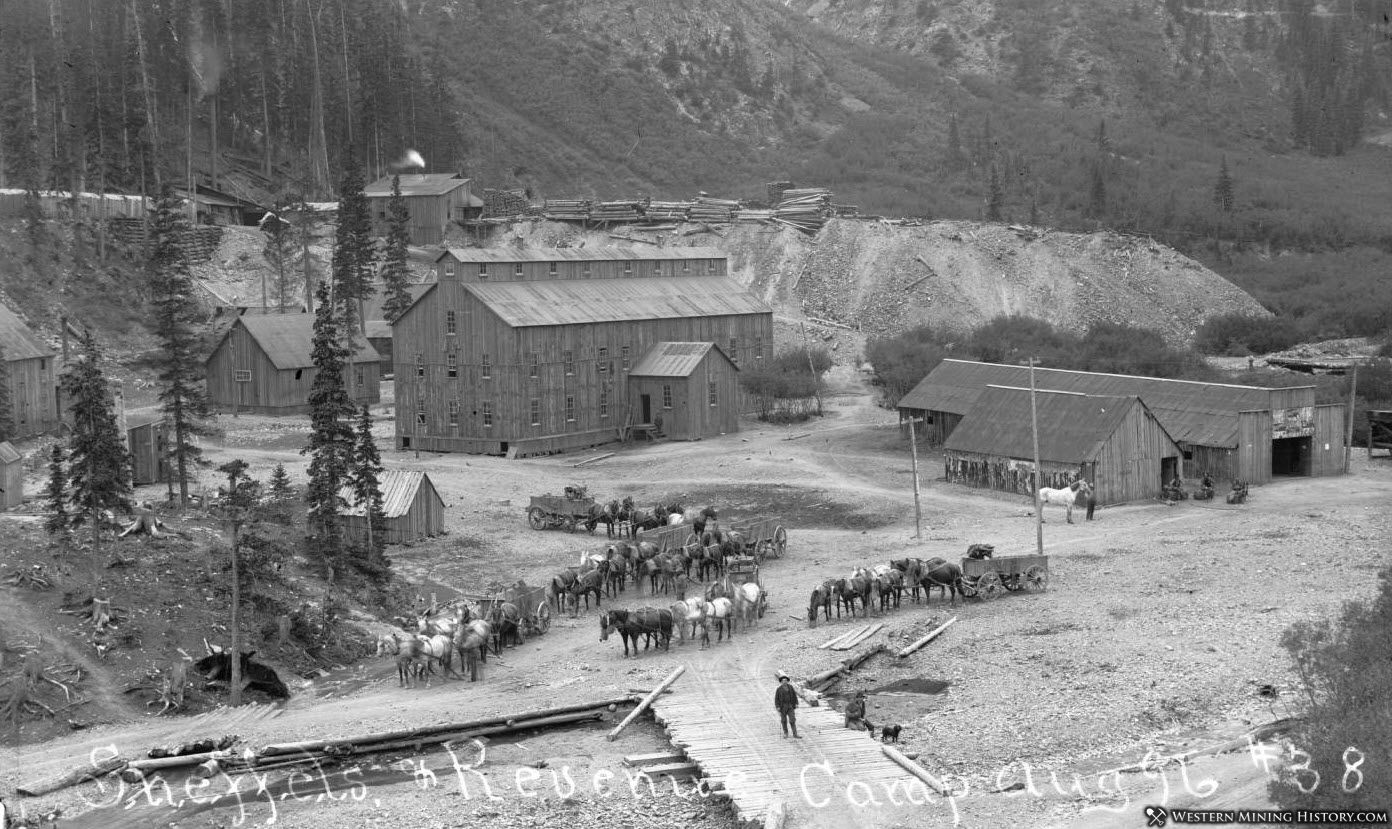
728, 726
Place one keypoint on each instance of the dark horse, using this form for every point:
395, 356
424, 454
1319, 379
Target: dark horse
586, 584
821, 597
943, 575
506, 621
645, 621
912, 568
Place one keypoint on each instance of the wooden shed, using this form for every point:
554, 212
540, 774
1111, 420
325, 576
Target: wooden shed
147, 438
29, 364
263, 365
413, 509
1114, 442
685, 384
540, 264
433, 202
11, 476
1219, 426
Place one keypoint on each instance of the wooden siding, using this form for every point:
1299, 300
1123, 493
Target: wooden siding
1292, 397
428, 217
511, 388
12, 482
425, 518
147, 448
933, 432
1254, 446
383, 347
1217, 461
597, 269
691, 417
33, 395
1327, 454
271, 390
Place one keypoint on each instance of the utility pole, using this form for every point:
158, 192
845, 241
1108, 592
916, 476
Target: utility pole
1348, 421
1038, 471
913, 447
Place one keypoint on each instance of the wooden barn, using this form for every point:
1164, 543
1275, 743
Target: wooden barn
11, 476
29, 364
684, 384
379, 333
413, 509
523, 368
262, 365
433, 202
540, 264
1227, 431
147, 438
1114, 442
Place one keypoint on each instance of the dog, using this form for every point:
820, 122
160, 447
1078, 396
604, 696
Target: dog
890, 733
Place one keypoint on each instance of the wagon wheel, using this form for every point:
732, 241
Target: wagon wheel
988, 585
543, 617
762, 550
1037, 578
536, 518
780, 542
569, 523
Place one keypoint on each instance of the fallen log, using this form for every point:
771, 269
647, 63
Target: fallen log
592, 460
471, 734
178, 760
642, 706
72, 777
926, 638
817, 321
916, 770
843, 637
818, 679
858, 638
856, 661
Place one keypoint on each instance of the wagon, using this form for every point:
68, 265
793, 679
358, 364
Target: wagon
766, 536
989, 577
532, 602
743, 569
551, 511
671, 537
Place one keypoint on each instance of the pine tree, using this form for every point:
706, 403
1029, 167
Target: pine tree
353, 252
281, 251
99, 466
995, 197
1104, 144
1097, 195
395, 274
331, 437
367, 486
56, 493
236, 511
182, 395
280, 482
1223, 190
7, 418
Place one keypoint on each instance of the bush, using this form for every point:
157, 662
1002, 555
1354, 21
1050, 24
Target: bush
788, 389
903, 360
1237, 335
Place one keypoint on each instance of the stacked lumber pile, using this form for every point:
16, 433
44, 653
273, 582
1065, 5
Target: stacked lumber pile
566, 210
197, 242
504, 203
845, 210
752, 214
616, 211
667, 211
806, 209
776, 190
707, 209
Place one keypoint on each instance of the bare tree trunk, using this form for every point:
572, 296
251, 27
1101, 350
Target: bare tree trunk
266, 130
188, 176
318, 144
347, 82
147, 89
236, 667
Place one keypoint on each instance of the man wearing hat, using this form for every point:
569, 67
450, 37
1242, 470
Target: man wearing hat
785, 699
855, 711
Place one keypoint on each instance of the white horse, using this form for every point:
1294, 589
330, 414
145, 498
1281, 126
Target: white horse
719, 611
1074, 495
675, 518
748, 602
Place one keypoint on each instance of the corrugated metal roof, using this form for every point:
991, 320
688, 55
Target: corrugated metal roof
1072, 427
604, 254
399, 487
18, 341
1203, 414
673, 359
372, 306
420, 184
8, 454
573, 301
288, 339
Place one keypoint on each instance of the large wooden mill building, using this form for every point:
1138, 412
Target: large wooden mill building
29, 364
530, 367
433, 202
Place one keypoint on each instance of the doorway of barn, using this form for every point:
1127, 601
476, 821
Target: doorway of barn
1169, 470
645, 402
1291, 456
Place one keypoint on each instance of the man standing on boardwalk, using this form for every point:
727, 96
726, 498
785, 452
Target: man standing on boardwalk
785, 699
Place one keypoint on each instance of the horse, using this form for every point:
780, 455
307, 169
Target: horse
862, 584
644, 520
912, 568
667, 570
1074, 495
943, 575
585, 585
732, 544
617, 576
561, 584
890, 584
634, 623
506, 620
688, 613
719, 610
821, 598
437, 651
981, 551
606, 514
410, 657
699, 520
749, 603
675, 518
471, 643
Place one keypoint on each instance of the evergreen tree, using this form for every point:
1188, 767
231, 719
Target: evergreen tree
353, 253
280, 482
236, 511
281, 251
395, 274
1104, 144
182, 395
1223, 190
995, 197
331, 437
1097, 194
7, 418
56, 493
99, 466
366, 481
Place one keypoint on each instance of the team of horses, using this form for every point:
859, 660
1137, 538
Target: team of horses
625, 520
464, 632
725, 604
877, 589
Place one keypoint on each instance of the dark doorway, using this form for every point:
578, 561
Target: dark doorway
1169, 470
1291, 456
645, 402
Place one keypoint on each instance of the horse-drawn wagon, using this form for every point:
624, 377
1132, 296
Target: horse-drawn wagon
532, 603
743, 570
567, 511
670, 537
990, 577
765, 536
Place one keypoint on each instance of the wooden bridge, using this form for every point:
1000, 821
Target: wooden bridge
832, 777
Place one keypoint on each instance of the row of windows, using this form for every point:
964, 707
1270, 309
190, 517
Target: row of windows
243, 375
486, 407
552, 268
602, 364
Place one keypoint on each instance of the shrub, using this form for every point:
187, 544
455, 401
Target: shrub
1237, 334
788, 389
903, 360
1015, 338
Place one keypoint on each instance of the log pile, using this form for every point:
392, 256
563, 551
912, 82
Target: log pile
616, 211
711, 210
667, 211
805, 209
776, 190
504, 203
566, 210
751, 214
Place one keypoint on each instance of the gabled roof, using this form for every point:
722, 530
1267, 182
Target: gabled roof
573, 301
288, 339
18, 341
420, 184
603, 254
134, 420
399, 487
8, 454
675, 359
1072, 427
1203, 414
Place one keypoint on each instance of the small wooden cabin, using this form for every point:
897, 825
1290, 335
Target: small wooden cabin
147, 438
691, 386
263, 365
11, 476
29, 364
412, 506
433, 202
